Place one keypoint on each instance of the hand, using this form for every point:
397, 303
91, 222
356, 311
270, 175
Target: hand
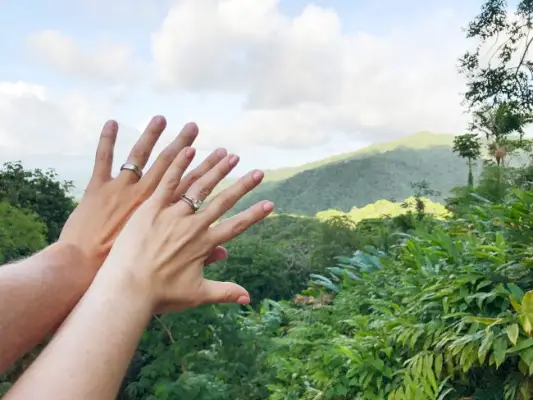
164, 246
109, 202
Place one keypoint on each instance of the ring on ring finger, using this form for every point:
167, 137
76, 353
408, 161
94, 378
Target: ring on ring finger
193, 203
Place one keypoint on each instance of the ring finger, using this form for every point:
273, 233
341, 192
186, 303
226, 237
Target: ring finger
203, 187
140, 153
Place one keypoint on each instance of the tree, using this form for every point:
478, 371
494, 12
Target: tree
21, 233
468, 146
40, 192
499, 70
498, 124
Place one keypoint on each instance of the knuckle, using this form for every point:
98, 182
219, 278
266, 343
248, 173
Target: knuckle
240, 226
225, 203
227, 295
193, 176
173, 181
205, 192
140, 153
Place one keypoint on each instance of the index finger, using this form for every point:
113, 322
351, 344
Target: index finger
104, 153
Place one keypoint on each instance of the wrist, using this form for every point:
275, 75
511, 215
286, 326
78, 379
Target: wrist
126, 286
70, 258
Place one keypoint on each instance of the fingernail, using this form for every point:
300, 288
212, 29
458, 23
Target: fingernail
257, 175
189, 153
221, 153
158, 119
112, 125
243, 300
233, 160
268, 206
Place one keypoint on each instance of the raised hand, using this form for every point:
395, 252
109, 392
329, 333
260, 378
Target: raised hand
108, 202
163, 248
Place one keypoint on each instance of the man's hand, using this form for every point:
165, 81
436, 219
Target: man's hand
36, 294
108, 202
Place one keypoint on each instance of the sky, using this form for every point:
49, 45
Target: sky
279, 82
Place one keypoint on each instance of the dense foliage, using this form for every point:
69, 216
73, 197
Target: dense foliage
39, 192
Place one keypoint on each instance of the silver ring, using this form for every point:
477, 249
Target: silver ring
193, 203
132, 167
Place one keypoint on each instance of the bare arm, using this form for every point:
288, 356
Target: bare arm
156, 265
36, 294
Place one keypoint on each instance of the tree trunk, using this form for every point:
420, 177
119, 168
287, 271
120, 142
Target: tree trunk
470, 174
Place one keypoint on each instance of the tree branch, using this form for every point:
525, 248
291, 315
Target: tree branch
166, 329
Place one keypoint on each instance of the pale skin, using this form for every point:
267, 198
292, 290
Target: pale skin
155, 265
37, 294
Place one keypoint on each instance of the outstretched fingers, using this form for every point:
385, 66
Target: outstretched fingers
172, 177
234, 226
209, 163
226, 199
154, 175
205, 185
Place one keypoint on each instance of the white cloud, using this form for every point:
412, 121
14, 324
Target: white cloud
304, 78
31, 122
110, 63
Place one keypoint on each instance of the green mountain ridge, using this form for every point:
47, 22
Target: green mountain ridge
418, 140
361, 180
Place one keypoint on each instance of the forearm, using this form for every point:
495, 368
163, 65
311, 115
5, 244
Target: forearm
90, 353
36, 295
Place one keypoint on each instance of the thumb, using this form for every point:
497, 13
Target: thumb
219, 253
224, 292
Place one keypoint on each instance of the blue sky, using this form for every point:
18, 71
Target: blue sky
312, 78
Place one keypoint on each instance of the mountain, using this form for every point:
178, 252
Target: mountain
419, 140
381, 171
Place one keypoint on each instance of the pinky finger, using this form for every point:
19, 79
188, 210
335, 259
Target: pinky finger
172, 177
234, 226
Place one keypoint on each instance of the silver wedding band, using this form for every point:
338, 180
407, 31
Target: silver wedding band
193, 203
132, 167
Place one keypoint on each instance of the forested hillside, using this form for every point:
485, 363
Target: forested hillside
362, 180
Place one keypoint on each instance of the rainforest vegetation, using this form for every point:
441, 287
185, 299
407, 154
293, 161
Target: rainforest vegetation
401, 273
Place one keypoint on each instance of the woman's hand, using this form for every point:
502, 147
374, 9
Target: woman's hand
164, 246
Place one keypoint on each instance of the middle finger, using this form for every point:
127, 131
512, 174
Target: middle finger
154, 175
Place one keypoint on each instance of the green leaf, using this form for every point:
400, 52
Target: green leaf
512, 333
527, 303
485, 347
516, 292
500, 349
524, 344
438, 365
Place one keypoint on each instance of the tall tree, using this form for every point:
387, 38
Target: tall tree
499, 70
40, 192
468, 146
500, 125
